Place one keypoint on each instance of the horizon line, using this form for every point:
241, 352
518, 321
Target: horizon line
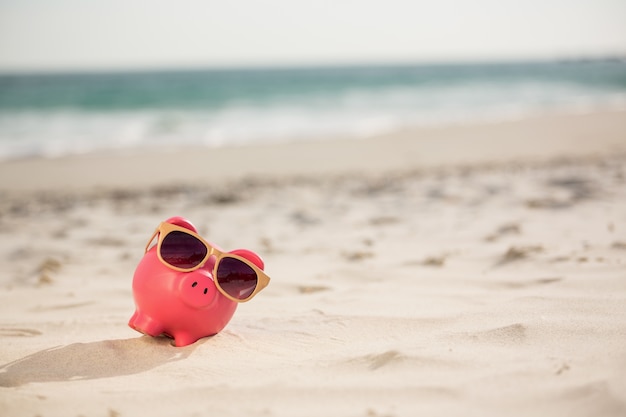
320, 64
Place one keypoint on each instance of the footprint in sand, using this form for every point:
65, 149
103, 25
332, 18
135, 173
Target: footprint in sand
516, 253
18, 332
507, 229
376, 361
526, 283
393, 358
513, 333
310, 289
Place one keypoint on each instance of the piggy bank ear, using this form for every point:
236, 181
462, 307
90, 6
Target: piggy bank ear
182, 222
249, 255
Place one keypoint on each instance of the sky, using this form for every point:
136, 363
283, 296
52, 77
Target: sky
41, 35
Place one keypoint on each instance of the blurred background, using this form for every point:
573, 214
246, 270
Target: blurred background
79, 77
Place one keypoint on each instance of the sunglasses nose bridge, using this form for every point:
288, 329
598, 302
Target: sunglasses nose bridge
209, 264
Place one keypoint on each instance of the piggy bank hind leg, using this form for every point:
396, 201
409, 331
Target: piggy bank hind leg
145, 324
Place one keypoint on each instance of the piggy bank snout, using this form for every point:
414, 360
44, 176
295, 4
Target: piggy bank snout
197, 289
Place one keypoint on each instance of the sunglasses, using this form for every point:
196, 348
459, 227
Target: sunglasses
180, 249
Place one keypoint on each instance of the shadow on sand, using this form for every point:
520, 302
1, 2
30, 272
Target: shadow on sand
103, 359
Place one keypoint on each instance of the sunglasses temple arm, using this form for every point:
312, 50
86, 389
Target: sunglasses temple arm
156, 232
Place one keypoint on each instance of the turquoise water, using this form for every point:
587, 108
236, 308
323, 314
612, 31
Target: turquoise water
56, 114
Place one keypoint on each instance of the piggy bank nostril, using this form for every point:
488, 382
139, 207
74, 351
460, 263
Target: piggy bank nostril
197, 289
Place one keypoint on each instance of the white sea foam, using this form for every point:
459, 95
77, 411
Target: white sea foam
354, 113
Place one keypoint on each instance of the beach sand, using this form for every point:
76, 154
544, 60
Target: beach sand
474, 270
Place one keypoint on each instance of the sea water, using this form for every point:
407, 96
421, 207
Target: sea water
58, 114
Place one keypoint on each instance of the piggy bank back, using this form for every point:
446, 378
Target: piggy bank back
183, 305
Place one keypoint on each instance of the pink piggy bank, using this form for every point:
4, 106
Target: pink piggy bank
175, 291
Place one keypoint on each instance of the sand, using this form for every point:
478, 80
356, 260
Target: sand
472, 270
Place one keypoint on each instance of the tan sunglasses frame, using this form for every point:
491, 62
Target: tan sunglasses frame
165, 228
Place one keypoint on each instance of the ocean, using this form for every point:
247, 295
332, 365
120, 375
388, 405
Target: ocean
60, 114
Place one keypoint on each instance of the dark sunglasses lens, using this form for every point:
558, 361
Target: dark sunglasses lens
236, 278
182, 250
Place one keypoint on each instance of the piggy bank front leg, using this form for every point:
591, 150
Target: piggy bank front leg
183, 338
143, 323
